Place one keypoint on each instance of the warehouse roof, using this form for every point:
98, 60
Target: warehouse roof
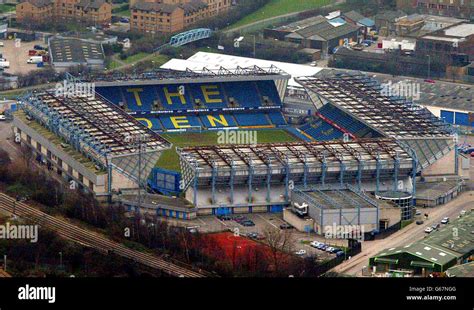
324, 31
442, 246
71, 50
434, 190
354, 15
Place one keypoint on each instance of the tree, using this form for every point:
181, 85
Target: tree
280, 243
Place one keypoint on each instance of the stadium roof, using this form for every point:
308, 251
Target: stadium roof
359, 96
296, 153
103, 124
205, 59
441, 94
190, 75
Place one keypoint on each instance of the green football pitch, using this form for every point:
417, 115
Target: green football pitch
170, 160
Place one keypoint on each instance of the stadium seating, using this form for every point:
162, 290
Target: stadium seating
180, 122
268, 89
244, 93
254, 119
298, 134
277, 118
218, 121
321, 130
210, 95
345, 121
247, 94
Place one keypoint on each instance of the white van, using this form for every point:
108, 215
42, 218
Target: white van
35, 59
4, 64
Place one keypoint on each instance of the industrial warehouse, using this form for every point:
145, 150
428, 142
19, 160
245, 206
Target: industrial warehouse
436, 253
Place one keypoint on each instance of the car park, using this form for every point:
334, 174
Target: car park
445, 220
428, 230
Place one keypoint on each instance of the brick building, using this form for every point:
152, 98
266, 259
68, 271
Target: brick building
170, 16
454, 8
41, 11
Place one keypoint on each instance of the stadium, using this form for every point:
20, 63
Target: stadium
359, 140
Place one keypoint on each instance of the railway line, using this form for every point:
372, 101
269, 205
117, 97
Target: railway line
92, 239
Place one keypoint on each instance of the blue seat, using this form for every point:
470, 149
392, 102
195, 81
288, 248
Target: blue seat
277, 118
179, 121
214, 93
175, 101
145, 99
268, 88
320, 130
244, 92
256, 119
218, 120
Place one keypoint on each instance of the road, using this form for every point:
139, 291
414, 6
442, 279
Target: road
93, 239
407, 235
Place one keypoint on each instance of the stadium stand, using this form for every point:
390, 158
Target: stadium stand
320, 130
205, 105
347, 122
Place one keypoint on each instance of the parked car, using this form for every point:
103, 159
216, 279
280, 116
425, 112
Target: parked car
445, 220
247, 223
2, 117
252, 235
286, 226
462, 213
38, 47
322, 247
329, 249
435, 226
339, 253
300, 252
428, 230
315, 244
418, 212
335, 250
419, 222
224, 217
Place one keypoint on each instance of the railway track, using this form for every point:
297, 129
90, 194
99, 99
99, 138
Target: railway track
92, 239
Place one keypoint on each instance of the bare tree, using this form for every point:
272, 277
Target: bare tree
280, 243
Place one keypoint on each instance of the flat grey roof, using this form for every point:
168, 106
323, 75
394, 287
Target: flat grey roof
68, 50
